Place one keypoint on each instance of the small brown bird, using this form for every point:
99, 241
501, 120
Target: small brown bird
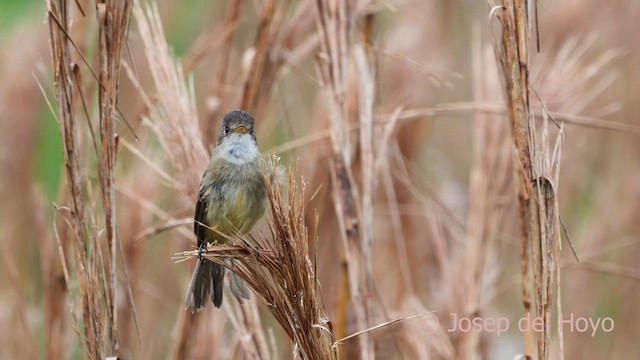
232, 198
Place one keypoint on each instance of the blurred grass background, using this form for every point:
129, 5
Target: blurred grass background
588, 66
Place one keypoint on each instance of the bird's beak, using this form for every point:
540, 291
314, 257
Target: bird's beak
240, 129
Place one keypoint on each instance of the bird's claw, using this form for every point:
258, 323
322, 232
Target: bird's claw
200, 251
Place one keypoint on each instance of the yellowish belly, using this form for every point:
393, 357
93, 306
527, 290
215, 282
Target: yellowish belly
236, 213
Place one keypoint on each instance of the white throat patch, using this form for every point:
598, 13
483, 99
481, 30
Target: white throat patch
238, 149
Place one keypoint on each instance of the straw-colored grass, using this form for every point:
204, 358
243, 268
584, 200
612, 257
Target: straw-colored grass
279, 268
445, 152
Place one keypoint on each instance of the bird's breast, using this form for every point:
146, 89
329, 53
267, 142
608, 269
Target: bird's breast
236, 202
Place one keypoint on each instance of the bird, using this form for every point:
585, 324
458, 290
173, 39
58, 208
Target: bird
231, 199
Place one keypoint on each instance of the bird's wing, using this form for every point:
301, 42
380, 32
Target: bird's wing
200, 217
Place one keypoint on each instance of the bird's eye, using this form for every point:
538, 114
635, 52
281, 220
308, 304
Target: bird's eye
251, 131
226, 130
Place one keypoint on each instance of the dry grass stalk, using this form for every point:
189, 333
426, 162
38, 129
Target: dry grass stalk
54, 279
334, 23
383, 168
95, 262
537, 196
57, 325
230, 23
368, 154
252, 342
515, 69
281, 42
59, 19
490, 180
257, 71
280, 271
113, 26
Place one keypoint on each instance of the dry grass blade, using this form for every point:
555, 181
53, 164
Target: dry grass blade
458, 108
380, 326
545, 240
280, 271
609, 269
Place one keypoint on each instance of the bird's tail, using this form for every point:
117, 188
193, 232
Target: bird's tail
206, 282
238, 288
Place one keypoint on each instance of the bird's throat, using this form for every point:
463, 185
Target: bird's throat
239, 149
